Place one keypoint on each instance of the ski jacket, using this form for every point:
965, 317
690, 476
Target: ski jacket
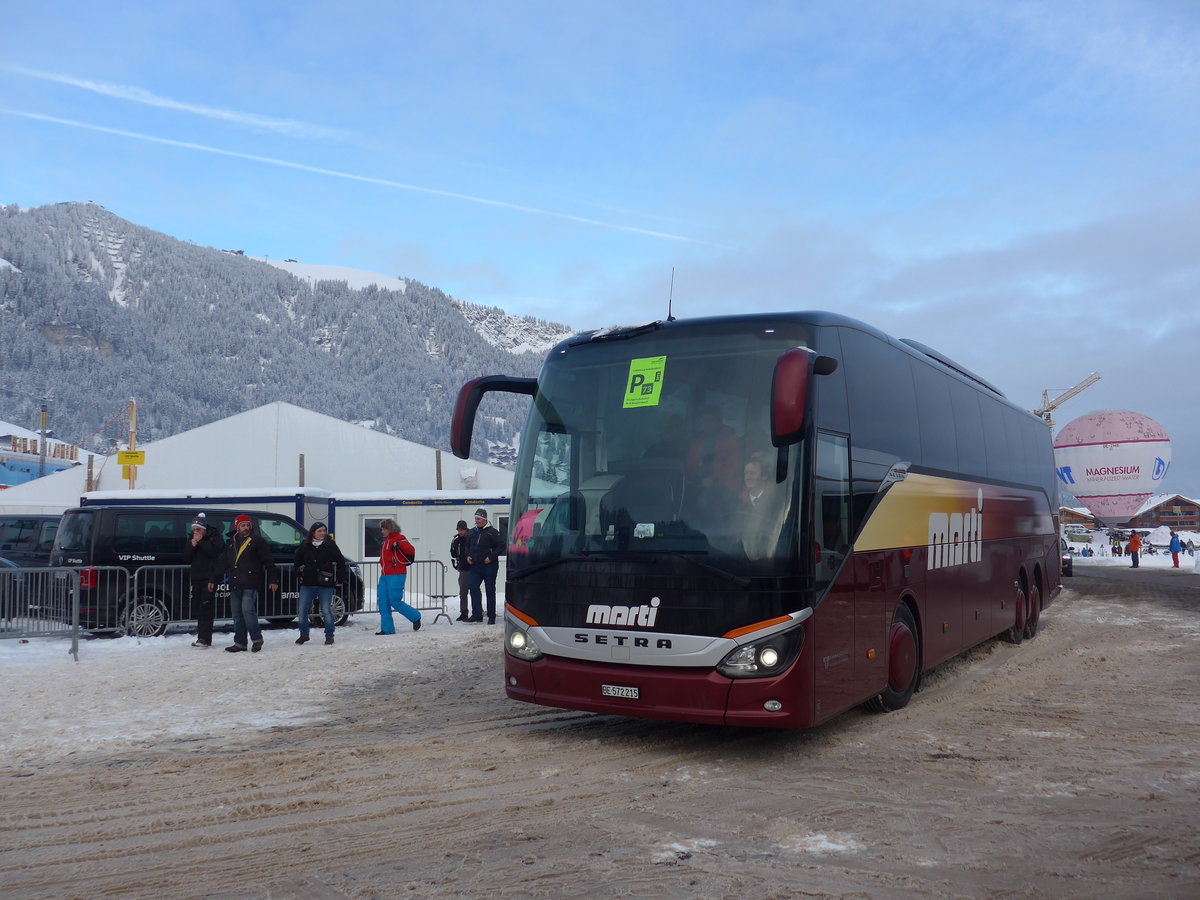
484, 544
458, 551
396, 554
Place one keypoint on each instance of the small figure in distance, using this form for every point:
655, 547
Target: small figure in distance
394, 559
458, 559
320, 567
1135, 545
483, 555
1176, 547
203, 552
247, 564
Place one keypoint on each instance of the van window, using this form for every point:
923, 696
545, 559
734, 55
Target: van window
18, 534
281, 537
75, 532
46, 538
148, 532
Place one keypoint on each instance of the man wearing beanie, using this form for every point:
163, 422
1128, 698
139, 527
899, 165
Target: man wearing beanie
204, 552
458, 559
483, 554
247, 564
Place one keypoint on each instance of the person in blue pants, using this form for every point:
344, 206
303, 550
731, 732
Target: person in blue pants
394, 559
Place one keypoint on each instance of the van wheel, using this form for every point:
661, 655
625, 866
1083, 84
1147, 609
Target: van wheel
340, 616
903, 663
145, 617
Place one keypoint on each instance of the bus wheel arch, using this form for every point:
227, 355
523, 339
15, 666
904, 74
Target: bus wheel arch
903, 661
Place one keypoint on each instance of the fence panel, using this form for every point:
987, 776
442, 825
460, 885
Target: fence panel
40, 602
424, 589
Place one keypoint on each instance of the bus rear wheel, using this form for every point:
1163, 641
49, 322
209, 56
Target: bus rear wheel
903, 662
1016, 631
1033, 613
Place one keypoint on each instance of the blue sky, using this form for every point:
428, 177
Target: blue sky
1015, 184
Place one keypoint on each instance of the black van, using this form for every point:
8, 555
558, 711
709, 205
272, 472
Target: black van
27, 540
133, 578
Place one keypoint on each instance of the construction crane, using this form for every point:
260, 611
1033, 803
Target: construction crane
1049, 405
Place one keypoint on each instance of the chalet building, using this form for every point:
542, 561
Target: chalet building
1069, 516
1175, 511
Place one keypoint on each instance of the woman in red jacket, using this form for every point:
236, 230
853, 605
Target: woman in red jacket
394, 559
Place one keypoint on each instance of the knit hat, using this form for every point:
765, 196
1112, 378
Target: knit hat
240, 519
200, 522
461, 524
481, 513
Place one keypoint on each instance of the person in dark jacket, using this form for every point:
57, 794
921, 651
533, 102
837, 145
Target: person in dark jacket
458, 559
484, 546
203, 552
320, 567
247, 564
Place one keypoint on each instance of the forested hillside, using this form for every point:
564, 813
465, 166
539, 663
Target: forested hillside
95, 310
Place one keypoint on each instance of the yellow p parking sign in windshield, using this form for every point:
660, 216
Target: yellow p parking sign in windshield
643, 387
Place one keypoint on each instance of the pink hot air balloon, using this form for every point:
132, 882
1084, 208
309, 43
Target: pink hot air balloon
1112, 461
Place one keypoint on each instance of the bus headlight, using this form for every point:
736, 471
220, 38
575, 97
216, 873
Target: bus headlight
765, 657
519, 642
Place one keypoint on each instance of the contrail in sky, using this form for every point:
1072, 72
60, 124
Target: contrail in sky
289, 127
366, 179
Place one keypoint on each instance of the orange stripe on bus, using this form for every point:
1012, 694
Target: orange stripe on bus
757, 626
528, 620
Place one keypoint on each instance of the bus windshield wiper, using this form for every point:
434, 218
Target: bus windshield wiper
545, 564
739, 580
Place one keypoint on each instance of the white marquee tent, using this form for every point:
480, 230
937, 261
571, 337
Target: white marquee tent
262, 448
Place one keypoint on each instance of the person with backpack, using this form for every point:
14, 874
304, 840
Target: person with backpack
394, 559
203, 553
321, 567
484, 546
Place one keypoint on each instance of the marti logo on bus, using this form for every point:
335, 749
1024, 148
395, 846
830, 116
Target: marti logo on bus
956, 539
631, 616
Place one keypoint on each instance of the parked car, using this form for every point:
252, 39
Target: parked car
1068, 559
132, 572
27, 540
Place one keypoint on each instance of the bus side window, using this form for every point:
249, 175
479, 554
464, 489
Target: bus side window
831, 505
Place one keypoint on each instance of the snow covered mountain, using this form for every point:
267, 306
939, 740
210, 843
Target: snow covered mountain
95, 309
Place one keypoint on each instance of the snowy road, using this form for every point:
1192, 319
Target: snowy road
1066, 767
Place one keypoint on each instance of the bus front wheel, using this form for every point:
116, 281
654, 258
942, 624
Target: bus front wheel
903, 663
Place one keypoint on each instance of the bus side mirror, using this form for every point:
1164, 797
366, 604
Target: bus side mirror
462, 426
789, 392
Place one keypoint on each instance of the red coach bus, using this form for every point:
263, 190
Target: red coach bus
763, 520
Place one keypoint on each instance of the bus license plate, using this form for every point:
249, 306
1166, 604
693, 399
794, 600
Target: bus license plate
618, 690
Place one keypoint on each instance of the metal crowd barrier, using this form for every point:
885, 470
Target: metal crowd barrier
144, 603
424, 588
40, 602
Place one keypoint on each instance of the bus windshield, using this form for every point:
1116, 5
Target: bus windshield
659, 444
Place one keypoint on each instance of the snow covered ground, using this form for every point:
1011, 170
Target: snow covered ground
1159, 538
59, 707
